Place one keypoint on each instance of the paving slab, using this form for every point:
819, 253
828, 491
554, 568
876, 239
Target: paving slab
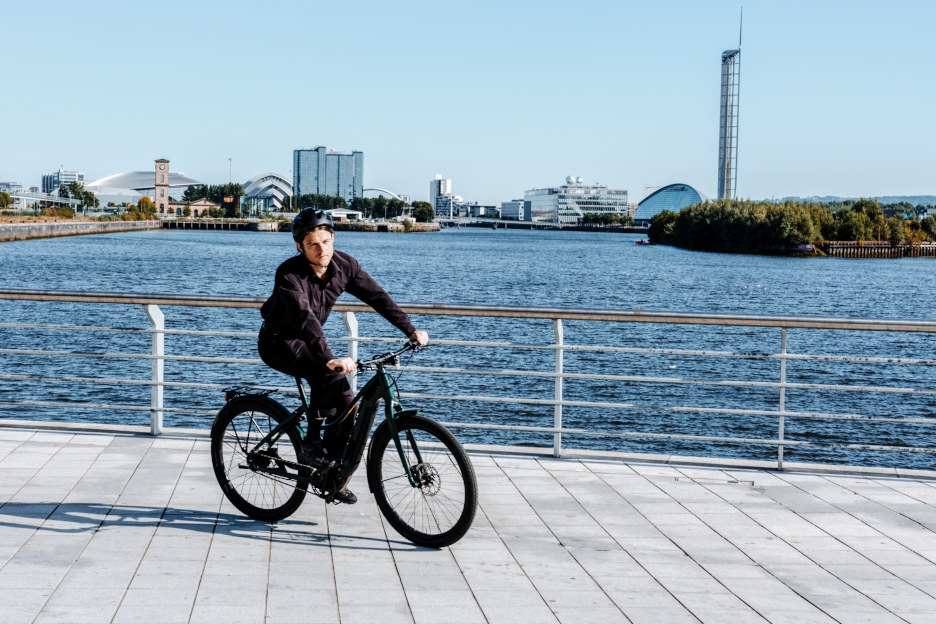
101, 525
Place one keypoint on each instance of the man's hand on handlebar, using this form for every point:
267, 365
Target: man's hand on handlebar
343, 365
420, 337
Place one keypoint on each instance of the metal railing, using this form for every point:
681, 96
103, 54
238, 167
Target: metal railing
555, 375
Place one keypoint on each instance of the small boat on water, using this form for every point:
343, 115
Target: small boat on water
642, 242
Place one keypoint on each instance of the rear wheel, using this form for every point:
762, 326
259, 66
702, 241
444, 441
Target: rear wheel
259, 481
440, 508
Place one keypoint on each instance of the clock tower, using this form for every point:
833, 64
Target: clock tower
162, 186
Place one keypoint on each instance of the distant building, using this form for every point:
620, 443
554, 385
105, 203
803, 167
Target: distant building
326, 172
567, 204
343, 216
437, 187
673, 197
197, 208
129, 187
515, 209
52, 181
449, 206
474, 209
11, 187
265, 193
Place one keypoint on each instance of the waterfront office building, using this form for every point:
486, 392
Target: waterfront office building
567, 204
448, 206
515, 209
51, 182
321, 171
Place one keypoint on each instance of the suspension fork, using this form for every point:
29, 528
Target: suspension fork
394, 410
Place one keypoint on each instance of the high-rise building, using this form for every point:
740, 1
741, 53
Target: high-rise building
728, 123
52, 181
438, 186
321, 171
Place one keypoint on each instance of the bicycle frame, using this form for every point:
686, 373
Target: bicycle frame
379, 387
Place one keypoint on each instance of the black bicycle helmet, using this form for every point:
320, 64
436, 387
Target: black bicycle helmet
309, 219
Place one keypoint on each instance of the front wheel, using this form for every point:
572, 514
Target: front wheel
438, 510
261, 481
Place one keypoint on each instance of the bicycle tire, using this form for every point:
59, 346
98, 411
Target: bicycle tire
441, 509
239, 426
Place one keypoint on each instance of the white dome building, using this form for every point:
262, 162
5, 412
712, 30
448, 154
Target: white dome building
129, 187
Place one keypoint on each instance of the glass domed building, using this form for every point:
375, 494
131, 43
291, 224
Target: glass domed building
673, 197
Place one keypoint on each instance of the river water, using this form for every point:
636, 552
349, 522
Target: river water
511, 268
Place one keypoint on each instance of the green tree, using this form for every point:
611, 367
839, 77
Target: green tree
423, 212
381, 204
6, 200
854, 226
896, 231
195, 192
661, 227
928, 225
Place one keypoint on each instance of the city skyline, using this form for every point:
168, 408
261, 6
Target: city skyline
498, 98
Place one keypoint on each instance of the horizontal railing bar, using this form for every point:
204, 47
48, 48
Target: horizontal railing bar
134, 356
676, 436
633, 316
493, 372
132, 382
509, 345
667, 380
104, 406
572, 403
668, 408
566, 431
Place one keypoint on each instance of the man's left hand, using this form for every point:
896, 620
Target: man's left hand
342, 365
420, 337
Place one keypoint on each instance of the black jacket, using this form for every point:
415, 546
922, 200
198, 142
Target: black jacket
301, 302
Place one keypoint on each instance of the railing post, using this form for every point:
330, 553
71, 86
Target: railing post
351, 325
783, 352
557, 413
158, 322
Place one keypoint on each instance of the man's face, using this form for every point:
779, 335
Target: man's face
317, 247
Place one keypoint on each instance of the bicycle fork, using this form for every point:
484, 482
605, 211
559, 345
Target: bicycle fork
394, 411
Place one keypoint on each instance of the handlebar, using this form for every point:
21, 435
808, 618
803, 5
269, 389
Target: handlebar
390, 357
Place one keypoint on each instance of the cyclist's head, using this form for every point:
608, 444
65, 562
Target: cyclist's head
310, 219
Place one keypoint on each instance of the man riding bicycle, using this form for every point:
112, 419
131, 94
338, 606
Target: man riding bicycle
291, 338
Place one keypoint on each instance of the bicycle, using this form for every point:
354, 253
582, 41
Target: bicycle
423, 482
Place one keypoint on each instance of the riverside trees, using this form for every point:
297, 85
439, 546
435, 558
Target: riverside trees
743, 226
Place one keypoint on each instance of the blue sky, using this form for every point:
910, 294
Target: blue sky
500, 96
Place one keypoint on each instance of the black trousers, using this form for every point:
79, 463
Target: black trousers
330, 393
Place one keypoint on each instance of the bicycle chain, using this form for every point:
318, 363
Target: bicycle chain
327, 495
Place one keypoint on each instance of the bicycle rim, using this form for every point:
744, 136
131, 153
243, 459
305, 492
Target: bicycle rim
259, 495
440, 509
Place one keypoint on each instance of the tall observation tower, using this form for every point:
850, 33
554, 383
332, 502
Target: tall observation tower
728, 122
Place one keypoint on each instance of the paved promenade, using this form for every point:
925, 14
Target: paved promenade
115, 526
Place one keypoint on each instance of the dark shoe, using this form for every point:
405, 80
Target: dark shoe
313, 454
345, 496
